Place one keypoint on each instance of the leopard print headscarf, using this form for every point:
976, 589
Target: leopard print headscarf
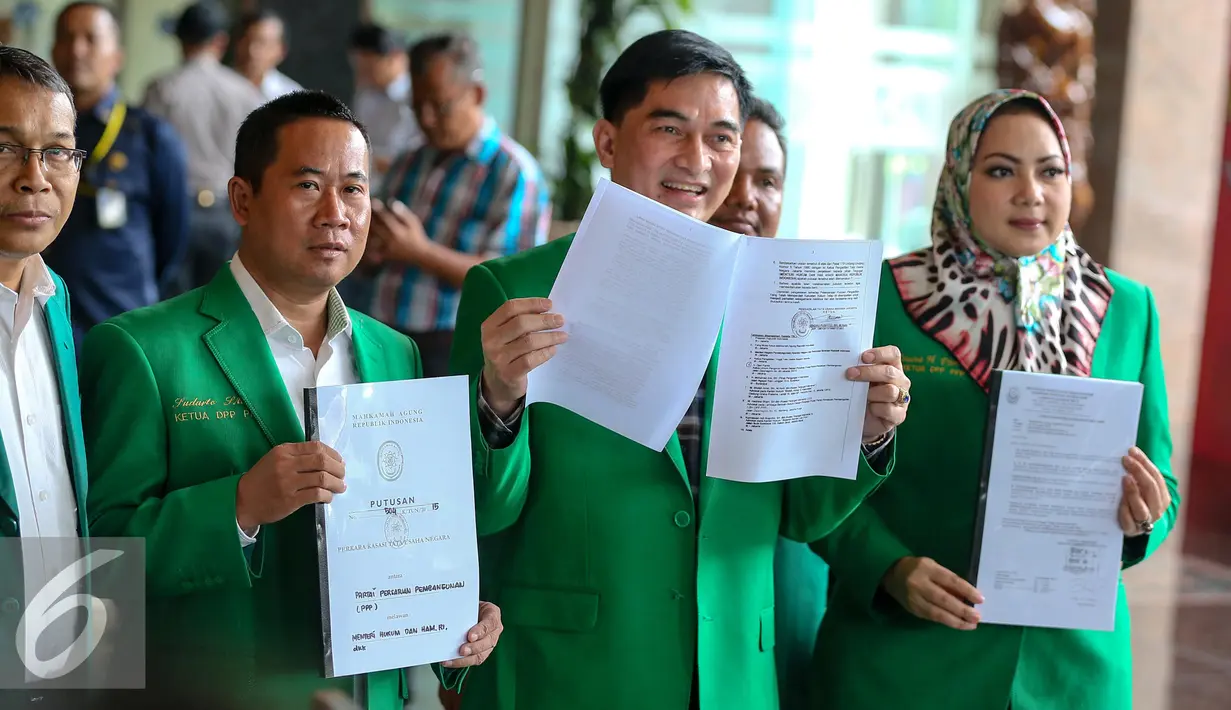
1039, 313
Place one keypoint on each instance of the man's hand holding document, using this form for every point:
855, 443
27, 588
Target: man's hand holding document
637, 310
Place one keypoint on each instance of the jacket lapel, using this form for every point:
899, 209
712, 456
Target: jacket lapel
242, 352
367, 353
64, 357
674, 450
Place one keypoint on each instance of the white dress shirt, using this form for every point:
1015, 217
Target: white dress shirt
333, 364
31, 422
33, 433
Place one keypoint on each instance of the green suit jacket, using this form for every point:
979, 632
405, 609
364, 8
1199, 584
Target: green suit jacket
928, 510
180, 399
590, 543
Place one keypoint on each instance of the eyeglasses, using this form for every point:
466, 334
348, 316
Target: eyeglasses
55, 161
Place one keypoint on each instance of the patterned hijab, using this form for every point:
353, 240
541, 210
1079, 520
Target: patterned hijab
1039, 313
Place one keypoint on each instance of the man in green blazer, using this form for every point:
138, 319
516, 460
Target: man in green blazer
42, 457
628, 579
193, 416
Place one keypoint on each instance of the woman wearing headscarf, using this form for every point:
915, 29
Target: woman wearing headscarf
1003, 286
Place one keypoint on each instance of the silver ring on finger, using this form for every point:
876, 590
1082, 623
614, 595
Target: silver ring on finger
1145, 526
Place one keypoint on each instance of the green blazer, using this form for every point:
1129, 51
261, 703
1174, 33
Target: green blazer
56, 314
609, 579
181, 398
928, 510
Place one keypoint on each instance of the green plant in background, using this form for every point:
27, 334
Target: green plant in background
600, 44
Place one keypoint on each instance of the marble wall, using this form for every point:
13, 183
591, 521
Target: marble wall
1158, 125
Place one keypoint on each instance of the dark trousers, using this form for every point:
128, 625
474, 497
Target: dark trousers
434, 347
213, 237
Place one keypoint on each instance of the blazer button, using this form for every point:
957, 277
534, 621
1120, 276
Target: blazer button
682, 519
10, 606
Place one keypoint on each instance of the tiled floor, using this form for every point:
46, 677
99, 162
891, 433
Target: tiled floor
1201, 678
423, 688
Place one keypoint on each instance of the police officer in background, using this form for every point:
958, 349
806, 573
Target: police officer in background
123, 245
205, 102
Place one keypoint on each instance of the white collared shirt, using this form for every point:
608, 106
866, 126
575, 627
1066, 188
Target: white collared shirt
33, 433
333, 364
31, 422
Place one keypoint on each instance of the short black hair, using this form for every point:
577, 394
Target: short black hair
458, 47
200, 22
663, 56
763, 111
95, 4
32, 69
256, 144
377, 39
248, 19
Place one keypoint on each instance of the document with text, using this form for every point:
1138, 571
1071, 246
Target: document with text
644, 291
398, 551
1048, 544
799, 314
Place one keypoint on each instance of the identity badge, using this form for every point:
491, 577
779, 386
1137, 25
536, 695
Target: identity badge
112, 208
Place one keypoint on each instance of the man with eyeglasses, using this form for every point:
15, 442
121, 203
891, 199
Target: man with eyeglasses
470, 194
42, 457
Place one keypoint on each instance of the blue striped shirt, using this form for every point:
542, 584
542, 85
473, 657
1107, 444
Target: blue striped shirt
489, 201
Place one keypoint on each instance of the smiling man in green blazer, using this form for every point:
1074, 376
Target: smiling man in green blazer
193, 416
42, 456
628, 579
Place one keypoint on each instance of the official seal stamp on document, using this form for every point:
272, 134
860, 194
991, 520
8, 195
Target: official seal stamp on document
396, 529
389, 460
1013, 395
801, 324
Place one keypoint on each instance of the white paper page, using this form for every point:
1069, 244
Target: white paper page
642, 291
1051, 544
401, 563
799, 314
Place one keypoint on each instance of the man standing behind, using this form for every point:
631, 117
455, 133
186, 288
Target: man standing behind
753, 207
205, 102
470, 194
382, 93
42, 459
260, 46
123, 245
801, 577
222, 483
627, 576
